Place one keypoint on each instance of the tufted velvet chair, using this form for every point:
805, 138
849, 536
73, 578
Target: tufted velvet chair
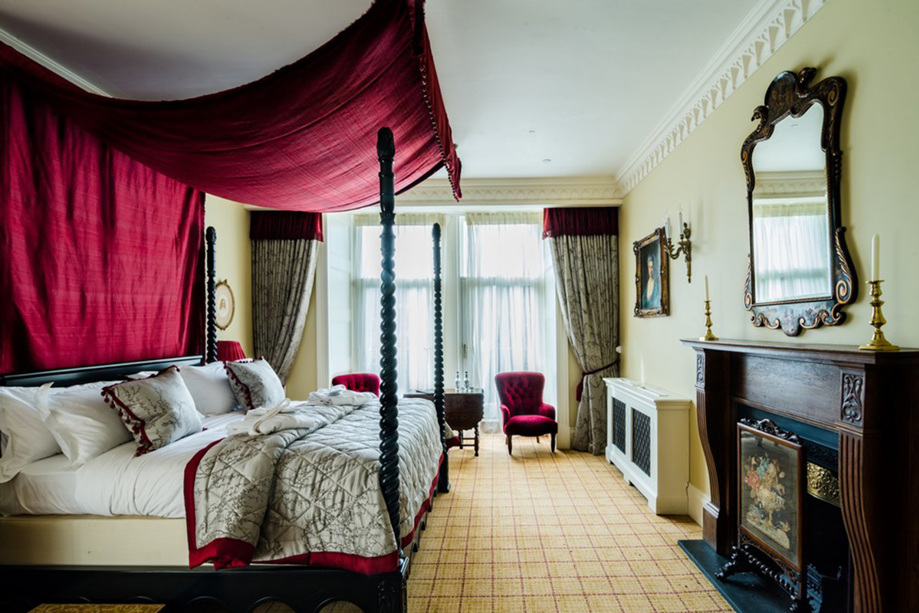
359, 382
523, 412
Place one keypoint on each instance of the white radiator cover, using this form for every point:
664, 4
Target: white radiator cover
647, 438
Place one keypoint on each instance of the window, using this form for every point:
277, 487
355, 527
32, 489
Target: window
499, 307
503, 301
414, 261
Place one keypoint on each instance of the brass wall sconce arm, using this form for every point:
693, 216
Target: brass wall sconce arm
684, 247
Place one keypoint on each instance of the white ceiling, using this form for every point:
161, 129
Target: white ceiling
533, 88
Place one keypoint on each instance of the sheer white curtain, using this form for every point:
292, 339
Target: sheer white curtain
414, 298
792, 249
503, 302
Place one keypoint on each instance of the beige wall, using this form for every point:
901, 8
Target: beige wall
233, 263
873, 45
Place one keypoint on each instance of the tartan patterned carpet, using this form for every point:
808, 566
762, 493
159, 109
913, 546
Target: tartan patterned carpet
537, 532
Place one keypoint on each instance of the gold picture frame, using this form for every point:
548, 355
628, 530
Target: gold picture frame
225, 305
652, 275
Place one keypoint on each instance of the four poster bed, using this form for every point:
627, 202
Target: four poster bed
411, 462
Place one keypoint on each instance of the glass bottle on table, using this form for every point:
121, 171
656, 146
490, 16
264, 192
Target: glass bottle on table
456, 382
466, 381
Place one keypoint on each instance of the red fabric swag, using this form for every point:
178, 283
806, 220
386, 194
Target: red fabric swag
301, 138
285, 225
101, 256
602, 221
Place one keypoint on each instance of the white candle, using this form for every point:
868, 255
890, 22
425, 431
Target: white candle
875, 258
667, 227
681, 220
706, 288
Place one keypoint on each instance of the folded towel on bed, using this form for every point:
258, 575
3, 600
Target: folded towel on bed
339, 395
270, 419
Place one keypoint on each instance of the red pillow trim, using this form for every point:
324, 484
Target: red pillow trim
236, 380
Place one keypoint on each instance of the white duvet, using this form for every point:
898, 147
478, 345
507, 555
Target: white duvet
114, 483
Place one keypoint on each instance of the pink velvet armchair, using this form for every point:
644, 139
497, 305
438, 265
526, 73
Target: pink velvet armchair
359, 382
523, 413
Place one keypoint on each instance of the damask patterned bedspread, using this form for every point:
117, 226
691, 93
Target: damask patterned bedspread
311, 495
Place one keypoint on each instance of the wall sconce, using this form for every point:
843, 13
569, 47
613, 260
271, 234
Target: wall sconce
684, 245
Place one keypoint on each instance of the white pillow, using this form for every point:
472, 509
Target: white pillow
255, 383
23, 437
157, 411
80, 421
210, 388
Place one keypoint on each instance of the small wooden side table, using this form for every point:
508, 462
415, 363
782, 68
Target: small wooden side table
463, 410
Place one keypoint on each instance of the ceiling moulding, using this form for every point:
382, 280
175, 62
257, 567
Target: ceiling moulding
805, 184
768, 26
512, 192
48, 63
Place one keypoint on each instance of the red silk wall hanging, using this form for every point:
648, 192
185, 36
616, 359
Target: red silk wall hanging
100, 256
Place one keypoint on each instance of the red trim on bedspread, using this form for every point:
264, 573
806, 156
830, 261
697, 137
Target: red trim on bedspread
223, 552
230, 553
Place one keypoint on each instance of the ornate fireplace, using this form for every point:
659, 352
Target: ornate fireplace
861, 408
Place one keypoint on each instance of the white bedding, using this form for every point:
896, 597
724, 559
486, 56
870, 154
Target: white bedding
114, 483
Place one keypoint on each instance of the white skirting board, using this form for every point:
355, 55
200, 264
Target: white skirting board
697, 500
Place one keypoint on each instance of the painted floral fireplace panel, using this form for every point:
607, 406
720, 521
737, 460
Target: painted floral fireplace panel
770, 493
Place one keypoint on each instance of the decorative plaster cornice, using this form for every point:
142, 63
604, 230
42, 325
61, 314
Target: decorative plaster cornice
50, 64
811, 183
516, 192
766, 29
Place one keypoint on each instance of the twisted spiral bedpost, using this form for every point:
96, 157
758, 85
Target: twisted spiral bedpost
389, 411
443, 483
210, 238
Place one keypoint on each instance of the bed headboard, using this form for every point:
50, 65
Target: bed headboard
87, 374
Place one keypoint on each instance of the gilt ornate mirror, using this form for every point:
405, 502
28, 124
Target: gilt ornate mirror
800, 275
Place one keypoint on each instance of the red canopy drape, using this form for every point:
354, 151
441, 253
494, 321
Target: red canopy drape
299, 139
101, 258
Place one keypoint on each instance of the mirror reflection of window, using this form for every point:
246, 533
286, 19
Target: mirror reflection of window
791, 228
792, 249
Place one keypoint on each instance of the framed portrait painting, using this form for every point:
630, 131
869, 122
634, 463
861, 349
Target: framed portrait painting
652, 275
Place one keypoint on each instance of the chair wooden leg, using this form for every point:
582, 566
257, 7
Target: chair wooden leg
510, 447
553, 443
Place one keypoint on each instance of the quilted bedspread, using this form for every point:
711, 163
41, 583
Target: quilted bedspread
311, 495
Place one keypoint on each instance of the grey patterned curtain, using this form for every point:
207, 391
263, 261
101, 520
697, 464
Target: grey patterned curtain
284, 247
585, 252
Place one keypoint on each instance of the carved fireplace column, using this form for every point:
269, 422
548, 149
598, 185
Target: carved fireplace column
716, 428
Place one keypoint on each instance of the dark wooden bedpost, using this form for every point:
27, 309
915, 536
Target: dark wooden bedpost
443, 483
389, 411
210, 355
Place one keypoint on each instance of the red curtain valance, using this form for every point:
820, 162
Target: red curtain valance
301, 138
285, 225
602, 221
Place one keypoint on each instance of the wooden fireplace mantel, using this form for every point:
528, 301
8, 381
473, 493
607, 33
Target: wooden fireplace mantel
870, 400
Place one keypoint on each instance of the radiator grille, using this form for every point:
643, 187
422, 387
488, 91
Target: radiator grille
619, 424
641, 441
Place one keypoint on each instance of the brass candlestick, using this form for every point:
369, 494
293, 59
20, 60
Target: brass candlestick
709, 336
878, 342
